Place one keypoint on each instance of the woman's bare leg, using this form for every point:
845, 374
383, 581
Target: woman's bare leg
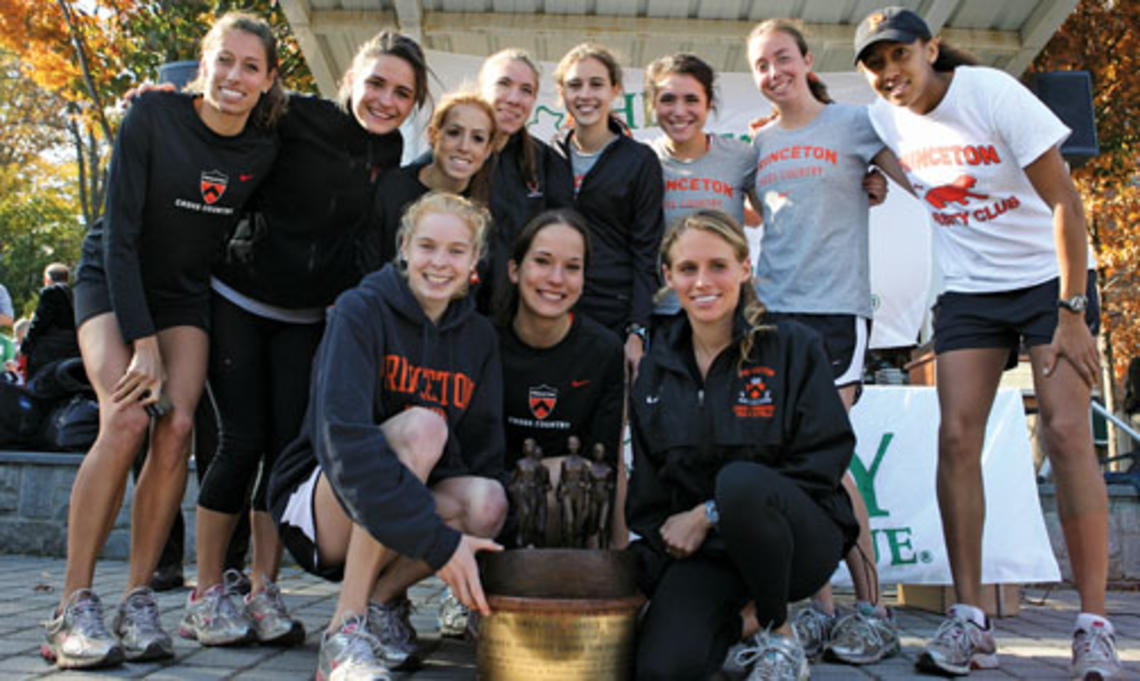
163, 479
967, 381
100, 483
1082, 499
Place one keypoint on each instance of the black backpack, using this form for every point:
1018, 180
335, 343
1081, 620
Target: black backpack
21, 414
72, 425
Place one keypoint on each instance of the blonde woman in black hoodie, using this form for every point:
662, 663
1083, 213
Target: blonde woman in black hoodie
395, 474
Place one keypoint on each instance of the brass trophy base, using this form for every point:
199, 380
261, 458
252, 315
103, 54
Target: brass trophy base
558, 614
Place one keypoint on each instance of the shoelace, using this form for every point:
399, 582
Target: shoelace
273, 595
814, 621
362, 646
952, 634
783, 657
142, 612
87, 614
391, 620
1097, 645
864, 634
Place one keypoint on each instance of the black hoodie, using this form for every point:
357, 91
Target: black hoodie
621, 199
379, 356
779, 408
515, 201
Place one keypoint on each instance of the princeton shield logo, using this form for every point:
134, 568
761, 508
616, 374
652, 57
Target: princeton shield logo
542, 399
213, 185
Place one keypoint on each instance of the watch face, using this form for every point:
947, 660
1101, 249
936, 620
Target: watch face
1076, 303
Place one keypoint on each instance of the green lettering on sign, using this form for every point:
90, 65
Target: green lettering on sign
627, 111
898, 539
865, 479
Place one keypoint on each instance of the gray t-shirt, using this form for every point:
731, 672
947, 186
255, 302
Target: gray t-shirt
720, 179
814, 255
582, 163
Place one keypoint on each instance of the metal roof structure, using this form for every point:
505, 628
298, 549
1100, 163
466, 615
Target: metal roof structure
1006, 34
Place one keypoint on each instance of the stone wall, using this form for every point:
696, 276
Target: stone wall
35, 488
1123, 532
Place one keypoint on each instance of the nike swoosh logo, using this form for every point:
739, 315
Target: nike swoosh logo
652, 399
579, 384
245, 178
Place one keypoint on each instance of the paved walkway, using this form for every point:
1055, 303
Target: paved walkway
1034, 645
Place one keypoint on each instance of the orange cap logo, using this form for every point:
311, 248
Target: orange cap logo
876, 20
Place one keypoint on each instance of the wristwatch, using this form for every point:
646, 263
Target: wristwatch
1076, 304
711, 514
639, 331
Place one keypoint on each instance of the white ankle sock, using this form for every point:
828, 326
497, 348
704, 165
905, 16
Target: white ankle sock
1087, 621
972, 613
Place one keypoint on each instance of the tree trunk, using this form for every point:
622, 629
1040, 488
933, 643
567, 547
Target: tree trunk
81, 165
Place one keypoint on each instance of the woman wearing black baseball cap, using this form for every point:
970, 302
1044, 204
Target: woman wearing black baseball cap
984, 154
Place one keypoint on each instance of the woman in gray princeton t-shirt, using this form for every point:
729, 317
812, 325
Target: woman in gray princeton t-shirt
810, 164
700, 170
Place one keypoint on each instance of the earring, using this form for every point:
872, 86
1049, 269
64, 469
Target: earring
474, 278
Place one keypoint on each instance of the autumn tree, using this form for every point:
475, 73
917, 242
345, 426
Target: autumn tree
64, 66
88, 53
1103, 38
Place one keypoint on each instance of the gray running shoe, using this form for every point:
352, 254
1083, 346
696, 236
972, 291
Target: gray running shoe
813, 629
958, 646
774, 657
1094, 655
351, 653
266, 611
77, 638
863, 636
391, 624
137, 627
212, 618
454, 617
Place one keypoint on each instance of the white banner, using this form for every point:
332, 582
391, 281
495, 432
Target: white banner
900, 228
895, 463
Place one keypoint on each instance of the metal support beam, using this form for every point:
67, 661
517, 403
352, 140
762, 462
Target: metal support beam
409, 18
298, 13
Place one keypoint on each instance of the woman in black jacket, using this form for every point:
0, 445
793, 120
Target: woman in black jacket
461, 133
739, 442
528, 176
268, 309
183, 166
396, 472
619, 190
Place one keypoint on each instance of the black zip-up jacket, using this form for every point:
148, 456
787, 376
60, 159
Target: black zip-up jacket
398, 189
379, 356
316, 207
51, 335
515, 201
621, 198
780, 408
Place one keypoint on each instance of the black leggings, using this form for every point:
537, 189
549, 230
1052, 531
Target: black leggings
778, 546
259, 373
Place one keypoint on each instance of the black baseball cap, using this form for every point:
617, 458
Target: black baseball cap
889, 24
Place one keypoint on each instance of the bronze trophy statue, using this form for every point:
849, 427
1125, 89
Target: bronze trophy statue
567, 612
528, 488
601, 495
574, 496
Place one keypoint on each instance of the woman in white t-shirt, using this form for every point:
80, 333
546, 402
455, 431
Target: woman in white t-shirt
983, 154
